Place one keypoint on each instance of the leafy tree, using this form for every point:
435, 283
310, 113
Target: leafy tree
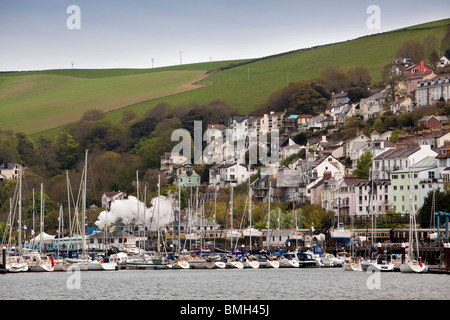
107, 135
314, 216
441, 202
25, 148
93, 115
363, 165
355, 94
413, 50
127, 117
152, 148
395, 134
297, 98
68, 150
434, 60
358, 77
393, 77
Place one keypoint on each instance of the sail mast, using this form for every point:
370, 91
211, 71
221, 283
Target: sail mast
231, 218
159, 195
20, 209
250, 207
83, 211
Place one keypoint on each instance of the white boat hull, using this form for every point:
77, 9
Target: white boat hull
413, 267
235, 265
270, 264
183, 264
289, 264
215, 265
44, 267
251, 264
383, 267
352, 267
17, 267
101, 266
81, 264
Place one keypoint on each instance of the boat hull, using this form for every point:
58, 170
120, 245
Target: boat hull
270, 264
17, 267
414, 268
235, 265
289, 264
352, 267
215, 265
183, 264
251, 264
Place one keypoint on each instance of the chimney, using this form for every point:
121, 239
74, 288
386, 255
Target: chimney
324, 138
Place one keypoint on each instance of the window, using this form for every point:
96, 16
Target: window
430, 174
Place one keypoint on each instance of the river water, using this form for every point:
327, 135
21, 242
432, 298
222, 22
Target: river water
217, 284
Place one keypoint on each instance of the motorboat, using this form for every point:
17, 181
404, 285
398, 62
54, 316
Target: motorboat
101, 263
288, 260
195, 262
341, 234
330, 260
306, 260
60, 264
265, 262
352, 265
16, 264
214, 262
233, 263
250, 262
38, 262
252, 232
179, 264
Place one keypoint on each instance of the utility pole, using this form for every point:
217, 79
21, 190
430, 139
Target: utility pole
181, 58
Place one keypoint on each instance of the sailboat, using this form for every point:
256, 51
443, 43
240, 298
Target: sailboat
82, 260
38, 261
15, 262
250, 232
340, 233
433, 234
413, 263
288, 260
268, 261
233, 233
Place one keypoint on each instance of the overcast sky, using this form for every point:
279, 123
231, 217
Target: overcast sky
127, 34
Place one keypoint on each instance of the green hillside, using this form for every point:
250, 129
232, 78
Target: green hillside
42, 101
250, 84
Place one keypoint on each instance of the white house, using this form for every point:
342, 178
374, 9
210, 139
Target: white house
373, 106
10, 171
227, 174
110, 197
399, 159
329, 164
444, 62
358, 141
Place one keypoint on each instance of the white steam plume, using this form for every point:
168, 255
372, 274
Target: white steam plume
127, 211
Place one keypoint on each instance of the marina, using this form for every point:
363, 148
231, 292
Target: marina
216, 284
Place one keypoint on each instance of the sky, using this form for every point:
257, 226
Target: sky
40, 34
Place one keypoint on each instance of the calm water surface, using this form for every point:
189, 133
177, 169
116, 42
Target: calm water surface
246, 284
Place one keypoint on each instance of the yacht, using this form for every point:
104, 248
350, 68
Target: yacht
16, 264
288, 260
39, 262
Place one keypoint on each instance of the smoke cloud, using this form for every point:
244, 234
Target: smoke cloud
133, 212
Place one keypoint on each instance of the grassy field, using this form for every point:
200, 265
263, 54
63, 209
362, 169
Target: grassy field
250, 84
40, 102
